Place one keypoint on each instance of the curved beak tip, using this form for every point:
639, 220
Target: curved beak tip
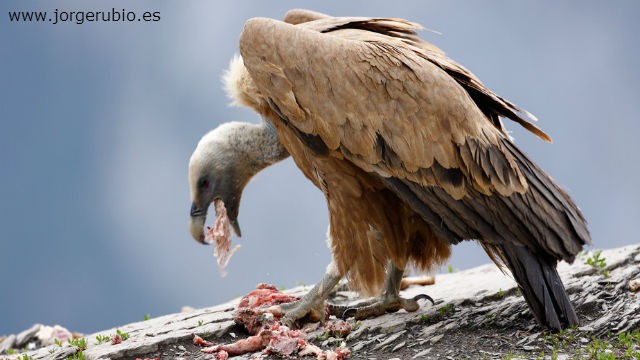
196, 228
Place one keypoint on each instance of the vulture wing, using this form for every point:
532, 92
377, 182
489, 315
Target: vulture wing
369, 91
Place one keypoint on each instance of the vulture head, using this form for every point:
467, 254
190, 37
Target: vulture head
217, 170
222, 164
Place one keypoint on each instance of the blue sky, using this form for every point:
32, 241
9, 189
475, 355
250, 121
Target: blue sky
98, 121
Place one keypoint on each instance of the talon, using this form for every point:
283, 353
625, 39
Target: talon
424, 297
350, 312
336, 310
287, 321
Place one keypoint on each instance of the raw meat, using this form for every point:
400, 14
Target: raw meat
220, 235
260, 314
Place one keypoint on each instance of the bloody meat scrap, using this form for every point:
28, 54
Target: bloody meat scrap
259, 314
220, 234
338, 328
258, 308
197, 340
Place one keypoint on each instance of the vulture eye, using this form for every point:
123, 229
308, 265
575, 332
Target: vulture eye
203, 183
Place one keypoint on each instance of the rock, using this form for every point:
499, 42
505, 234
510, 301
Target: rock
422, 354
388, 324
486, 321
23, 338
399, 346
359, 345
634, 284
435, 339
389, 340
8, 343
47, 335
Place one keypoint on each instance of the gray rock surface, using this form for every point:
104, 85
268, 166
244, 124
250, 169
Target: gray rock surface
8, 343
23, 337
478, 313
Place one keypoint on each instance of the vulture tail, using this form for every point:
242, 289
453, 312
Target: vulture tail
541, 286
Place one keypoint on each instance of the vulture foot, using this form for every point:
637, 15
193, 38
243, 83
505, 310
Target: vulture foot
311, 306
389, 301
386, 303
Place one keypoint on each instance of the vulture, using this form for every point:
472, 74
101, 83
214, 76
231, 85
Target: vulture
407, 146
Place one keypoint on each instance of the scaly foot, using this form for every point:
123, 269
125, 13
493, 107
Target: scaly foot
386, 303
389, 301
312, 304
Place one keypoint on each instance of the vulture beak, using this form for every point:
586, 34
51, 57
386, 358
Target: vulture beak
196, 222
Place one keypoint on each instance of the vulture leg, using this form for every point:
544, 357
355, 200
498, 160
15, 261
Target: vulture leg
312, 304
389, 301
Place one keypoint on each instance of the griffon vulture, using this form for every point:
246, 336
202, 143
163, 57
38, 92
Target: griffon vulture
407, 146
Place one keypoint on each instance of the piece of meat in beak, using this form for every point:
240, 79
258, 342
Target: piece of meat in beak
222, 224
219, 234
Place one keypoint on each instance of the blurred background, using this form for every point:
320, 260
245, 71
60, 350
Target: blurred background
98, 121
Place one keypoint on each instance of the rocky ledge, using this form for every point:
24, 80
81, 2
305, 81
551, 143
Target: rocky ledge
479, 313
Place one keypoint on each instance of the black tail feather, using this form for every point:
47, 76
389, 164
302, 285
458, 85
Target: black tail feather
541, 287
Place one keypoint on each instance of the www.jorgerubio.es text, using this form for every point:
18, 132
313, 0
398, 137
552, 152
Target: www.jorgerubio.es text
81, 17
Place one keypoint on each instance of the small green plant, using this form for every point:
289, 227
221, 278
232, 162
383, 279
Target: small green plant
147, 317
625, 345
123, 335
356, 325
500, 293
598, 262
103, 338
200, 322
446, 310
450, 268
57, 342
425, 318
597, 349
11, 351
322, 337
25, 357
490, 318
80, 342
78, 356
509, 356
348, 339
337, 342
